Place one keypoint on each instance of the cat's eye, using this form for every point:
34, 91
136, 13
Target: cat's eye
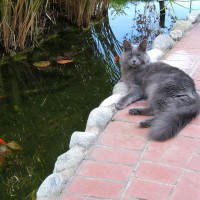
130, 54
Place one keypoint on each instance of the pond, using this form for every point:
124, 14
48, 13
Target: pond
41, 108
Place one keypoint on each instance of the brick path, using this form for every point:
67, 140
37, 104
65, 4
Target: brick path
124, 165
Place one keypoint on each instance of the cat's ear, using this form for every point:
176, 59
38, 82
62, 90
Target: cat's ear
126, 45
143, 45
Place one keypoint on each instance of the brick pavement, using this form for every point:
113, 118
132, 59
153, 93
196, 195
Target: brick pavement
124, 165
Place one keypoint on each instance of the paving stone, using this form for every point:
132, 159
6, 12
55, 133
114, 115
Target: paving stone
147, 190
76, 197
114, 155
194, 163
198, 149
103, 170
124, 135
196, 76
95, 188
156, 150
180, 152
160, 173
188, 187
191, 130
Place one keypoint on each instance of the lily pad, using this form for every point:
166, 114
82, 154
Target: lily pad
62, 62
14, 145
41, 63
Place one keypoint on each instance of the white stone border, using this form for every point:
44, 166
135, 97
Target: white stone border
67, 163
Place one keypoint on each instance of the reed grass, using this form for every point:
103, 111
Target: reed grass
80, 12
17, 22
20, 19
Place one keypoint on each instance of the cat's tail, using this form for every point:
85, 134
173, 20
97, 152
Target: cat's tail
168, 124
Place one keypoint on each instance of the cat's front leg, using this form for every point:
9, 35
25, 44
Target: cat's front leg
131, 97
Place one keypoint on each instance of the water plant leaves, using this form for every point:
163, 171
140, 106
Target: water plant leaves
41, 63
62, 62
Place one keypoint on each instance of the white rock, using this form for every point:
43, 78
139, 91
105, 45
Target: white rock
99, 117
51, 187
82, 139
194, 17
155, 54
111, 100
182, 25
120, 88
163, 42
69, 160
67, 174
176, 35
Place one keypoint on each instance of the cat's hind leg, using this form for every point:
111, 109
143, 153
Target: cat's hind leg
147, 123
148, 111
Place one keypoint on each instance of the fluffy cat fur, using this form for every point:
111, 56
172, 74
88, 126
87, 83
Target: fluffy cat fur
170, 92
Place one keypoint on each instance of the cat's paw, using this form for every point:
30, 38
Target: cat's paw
134, 111
145, 124
119, 106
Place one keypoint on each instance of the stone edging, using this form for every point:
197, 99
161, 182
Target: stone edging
67, 163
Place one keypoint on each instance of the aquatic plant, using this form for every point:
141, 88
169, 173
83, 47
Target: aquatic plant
17, 22
80, 12
22, 21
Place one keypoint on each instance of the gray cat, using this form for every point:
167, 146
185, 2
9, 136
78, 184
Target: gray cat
170, 92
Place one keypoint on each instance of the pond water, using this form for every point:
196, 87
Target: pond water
40, 109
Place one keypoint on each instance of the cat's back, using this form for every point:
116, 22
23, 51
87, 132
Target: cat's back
169, 81
161, 72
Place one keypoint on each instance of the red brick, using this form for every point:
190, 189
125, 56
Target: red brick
124, 135
198, 149
147, 190
156, 150
105, 170
95, 188
196, 120
197, 84
75, 197
180, 152
188, 187
160, 173
181, 57
184, 64
185, 50
191, 130
124, 129
114, 155
189, 44
194, 163
196, 76
136, 142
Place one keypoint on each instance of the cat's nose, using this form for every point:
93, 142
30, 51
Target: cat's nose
134, 61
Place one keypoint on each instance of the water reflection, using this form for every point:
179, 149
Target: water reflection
42, 108
146, 19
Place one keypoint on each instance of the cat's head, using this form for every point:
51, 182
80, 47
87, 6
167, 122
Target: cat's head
134, 56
